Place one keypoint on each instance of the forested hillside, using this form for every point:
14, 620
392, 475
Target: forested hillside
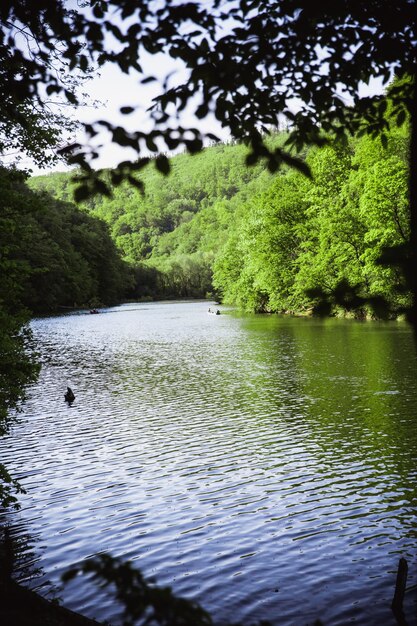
53, 254
259, 240
173, 233
307, 235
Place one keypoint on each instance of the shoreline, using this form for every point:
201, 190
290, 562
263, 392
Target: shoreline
20, 606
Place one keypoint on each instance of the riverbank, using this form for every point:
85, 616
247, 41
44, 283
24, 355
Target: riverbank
20, 606
23, 607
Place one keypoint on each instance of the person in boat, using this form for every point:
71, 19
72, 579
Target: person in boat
69, 395
217, 312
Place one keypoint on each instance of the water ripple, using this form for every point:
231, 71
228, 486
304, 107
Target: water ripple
265, 467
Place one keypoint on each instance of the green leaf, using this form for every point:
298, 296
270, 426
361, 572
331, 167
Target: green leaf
251, 159
148, 79
297, 164
101, 187
401, 117
70, 96
151, 145
83, 63
136, 183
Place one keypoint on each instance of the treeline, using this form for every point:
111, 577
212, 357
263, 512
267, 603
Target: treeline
53, 253
262, 241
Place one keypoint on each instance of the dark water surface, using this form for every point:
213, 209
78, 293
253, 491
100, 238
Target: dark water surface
264, 466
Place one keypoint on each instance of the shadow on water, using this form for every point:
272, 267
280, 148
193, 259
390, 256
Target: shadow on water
19, 556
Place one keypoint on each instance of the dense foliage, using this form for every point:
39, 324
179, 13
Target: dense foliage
304, 237
267, 242
57, 255
245, 62
171, 234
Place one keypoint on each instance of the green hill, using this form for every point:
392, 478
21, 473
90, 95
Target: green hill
266, 242
173, 233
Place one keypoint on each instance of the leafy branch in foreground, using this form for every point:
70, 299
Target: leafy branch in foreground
8, 485
242, 63
245, 62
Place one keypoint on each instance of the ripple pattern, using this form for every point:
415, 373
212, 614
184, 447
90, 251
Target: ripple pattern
265, 467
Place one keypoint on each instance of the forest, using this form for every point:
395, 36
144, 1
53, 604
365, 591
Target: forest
53, 256
57, 256
261, 240
265, 242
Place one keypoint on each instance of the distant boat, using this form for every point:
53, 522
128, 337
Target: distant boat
94, 311
213, 312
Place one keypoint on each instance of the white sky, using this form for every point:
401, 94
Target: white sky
115, 90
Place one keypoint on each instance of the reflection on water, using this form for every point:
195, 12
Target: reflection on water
263, 466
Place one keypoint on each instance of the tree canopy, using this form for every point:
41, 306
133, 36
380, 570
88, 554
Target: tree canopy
253, 64
247, 62
52, 255
262, 241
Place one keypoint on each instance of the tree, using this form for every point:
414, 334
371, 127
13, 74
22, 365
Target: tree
30, 122
304, 238
51, 254
247, 62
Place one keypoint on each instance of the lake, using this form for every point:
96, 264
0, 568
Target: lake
264, 466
